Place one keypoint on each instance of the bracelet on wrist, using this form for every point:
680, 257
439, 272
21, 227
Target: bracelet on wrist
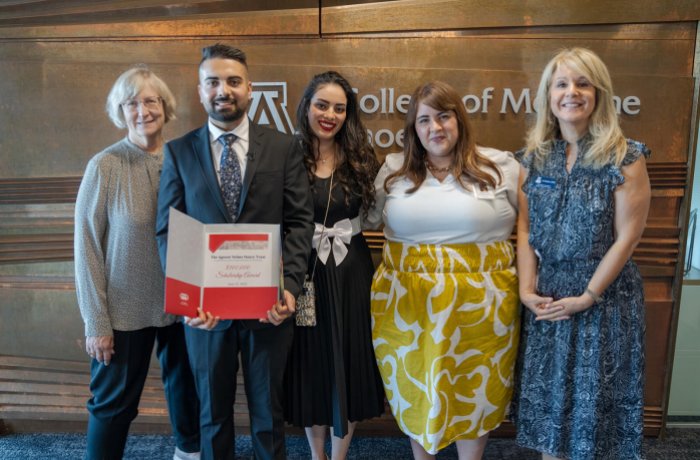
596, 298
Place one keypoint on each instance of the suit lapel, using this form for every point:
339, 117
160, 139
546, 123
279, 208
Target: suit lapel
202, 150
254, 151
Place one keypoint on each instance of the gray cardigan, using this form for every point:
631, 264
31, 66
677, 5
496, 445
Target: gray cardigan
118, 276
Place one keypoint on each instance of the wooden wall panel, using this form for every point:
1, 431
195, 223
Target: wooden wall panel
283, 23
649, 49
659, 314
420, 15
57, 19
39, 190
42, 12
58, 60
45, 75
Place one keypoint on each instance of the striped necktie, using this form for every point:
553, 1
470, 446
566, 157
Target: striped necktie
230, 175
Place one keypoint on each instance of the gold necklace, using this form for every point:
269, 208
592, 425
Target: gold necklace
435, 169
331, 156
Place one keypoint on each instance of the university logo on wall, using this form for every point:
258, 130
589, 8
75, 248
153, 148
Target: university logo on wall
268, 106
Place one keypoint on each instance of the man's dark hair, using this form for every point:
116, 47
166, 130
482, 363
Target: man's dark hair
222, 51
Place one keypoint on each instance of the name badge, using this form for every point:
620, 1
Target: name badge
545, 182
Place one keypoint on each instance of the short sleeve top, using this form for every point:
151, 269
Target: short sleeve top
572, 214
446, 212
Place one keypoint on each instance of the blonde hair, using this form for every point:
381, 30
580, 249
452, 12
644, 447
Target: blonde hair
608, 144
129, 85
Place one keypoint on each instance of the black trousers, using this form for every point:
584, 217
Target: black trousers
116, 390
214, 360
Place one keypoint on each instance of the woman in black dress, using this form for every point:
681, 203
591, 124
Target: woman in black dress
332, 376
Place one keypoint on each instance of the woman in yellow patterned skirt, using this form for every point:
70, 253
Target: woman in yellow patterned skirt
445, 308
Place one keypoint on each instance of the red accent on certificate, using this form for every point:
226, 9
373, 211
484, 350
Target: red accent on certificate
218, 300
182, 298
215, 241
230, 270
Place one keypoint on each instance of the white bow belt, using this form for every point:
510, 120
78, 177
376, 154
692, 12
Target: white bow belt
342, 232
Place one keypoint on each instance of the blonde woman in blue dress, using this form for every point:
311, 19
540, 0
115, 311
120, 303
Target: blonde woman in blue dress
445, 302
584, 203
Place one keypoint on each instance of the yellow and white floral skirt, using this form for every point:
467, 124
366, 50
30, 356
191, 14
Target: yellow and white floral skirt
445, 328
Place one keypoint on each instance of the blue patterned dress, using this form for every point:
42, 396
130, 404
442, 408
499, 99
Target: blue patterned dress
579, 390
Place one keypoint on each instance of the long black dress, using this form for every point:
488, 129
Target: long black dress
332, 375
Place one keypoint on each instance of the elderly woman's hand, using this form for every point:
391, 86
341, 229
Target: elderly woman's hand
101, 348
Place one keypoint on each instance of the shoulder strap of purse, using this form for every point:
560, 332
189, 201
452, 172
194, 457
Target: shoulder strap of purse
325, 218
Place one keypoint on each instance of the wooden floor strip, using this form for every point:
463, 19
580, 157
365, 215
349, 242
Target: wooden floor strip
44, 395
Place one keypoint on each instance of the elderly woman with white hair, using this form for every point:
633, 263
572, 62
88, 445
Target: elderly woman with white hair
119, 279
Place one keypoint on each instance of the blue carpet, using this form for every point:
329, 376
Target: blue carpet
158, 447
680, 444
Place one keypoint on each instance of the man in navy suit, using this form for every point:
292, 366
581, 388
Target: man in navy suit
272, 188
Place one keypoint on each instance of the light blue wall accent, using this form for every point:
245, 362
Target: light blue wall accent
685, 384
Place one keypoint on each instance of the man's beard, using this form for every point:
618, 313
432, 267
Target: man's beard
227, 117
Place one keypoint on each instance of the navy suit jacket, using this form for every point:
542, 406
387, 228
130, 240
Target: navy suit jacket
275, 191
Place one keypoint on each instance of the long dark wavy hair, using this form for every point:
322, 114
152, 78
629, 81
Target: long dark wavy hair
356, 164
468, 162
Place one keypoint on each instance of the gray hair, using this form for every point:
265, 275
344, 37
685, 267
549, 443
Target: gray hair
129, 85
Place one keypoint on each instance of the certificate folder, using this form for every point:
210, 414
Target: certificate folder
230, 270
